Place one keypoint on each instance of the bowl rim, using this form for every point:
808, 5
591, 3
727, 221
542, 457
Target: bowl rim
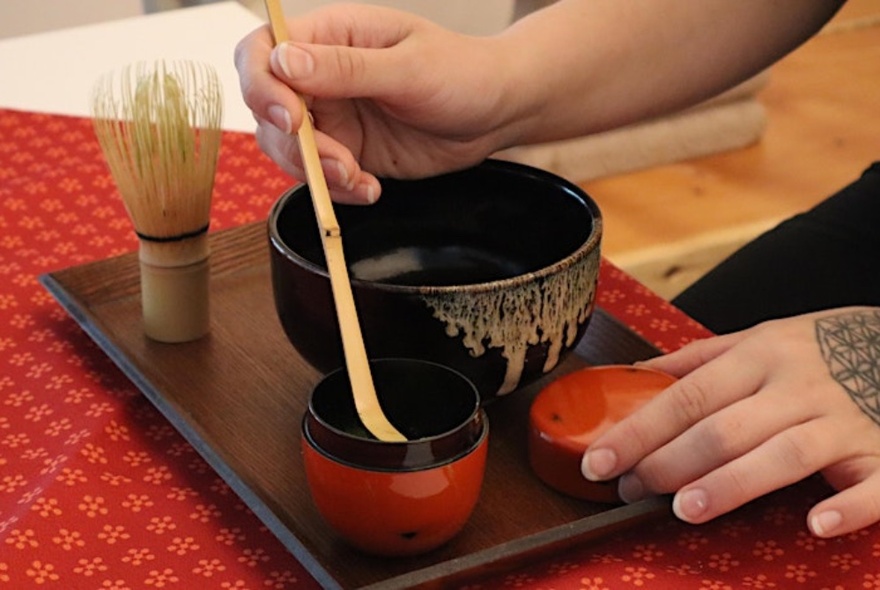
591, 244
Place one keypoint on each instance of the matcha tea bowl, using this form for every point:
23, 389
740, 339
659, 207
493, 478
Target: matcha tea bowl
491, 270
400, 497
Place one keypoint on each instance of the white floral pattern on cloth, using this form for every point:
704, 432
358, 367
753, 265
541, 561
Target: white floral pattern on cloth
98, 491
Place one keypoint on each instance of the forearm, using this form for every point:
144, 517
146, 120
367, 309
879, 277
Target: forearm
584, 66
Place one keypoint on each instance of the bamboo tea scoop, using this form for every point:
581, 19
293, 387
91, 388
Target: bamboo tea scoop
357, 364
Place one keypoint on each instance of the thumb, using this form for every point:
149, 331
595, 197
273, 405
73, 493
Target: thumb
335, 71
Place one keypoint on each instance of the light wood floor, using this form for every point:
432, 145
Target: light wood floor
669, 224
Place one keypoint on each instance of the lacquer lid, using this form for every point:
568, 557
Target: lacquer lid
572, 411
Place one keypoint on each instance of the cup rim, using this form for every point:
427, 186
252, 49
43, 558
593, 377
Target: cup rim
590, 243
477, 443
420, 453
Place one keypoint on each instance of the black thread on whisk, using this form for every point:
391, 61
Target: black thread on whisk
177, 238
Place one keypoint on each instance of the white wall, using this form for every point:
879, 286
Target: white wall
476, 17
21, 17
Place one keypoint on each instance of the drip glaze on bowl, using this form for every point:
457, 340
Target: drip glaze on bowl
491, 271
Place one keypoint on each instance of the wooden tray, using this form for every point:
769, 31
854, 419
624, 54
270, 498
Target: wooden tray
238, 396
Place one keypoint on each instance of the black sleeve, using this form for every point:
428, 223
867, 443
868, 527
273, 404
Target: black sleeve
824, 258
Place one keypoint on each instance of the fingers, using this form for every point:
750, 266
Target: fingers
714, 441
692, 398
278, 111
854, 508
784, 459
759, 445
347, 182
267, 96
695, 354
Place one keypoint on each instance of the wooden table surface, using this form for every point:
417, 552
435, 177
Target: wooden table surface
668, 224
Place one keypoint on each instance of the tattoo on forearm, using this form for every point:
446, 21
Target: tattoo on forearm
850, 345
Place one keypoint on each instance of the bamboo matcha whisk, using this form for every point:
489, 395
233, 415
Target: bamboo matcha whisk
159, 127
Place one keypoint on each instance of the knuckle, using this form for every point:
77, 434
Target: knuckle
731, 485
691, 400
249, 92
721, 437
633, 441
239, 54
792, 452
656, 477
871, 508
349, 65
260, 135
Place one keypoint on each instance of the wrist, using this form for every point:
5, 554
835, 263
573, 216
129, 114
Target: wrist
551, 68
523, 98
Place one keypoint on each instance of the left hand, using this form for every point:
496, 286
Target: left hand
757, 410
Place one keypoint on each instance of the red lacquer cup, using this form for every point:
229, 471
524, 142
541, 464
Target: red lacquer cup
573, 410
397, 498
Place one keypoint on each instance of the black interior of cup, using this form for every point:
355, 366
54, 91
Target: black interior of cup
494, 221
421, 399
431, 405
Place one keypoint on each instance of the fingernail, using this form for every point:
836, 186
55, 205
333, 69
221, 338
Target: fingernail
597, 465
367, 192
630, 488
280, 118
824, 523
295, 61
689, 505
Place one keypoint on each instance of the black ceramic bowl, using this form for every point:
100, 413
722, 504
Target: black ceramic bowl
491, 271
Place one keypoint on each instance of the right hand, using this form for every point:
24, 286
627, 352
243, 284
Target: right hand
391, 94
754, 411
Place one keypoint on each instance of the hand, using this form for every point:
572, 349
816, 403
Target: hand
391, 94
755, 411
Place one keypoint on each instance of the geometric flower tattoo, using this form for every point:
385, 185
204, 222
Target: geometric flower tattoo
850, 345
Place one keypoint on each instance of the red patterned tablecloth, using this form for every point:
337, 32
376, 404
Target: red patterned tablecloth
98, 491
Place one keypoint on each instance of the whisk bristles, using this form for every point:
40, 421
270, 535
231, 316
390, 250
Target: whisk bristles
159, 127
